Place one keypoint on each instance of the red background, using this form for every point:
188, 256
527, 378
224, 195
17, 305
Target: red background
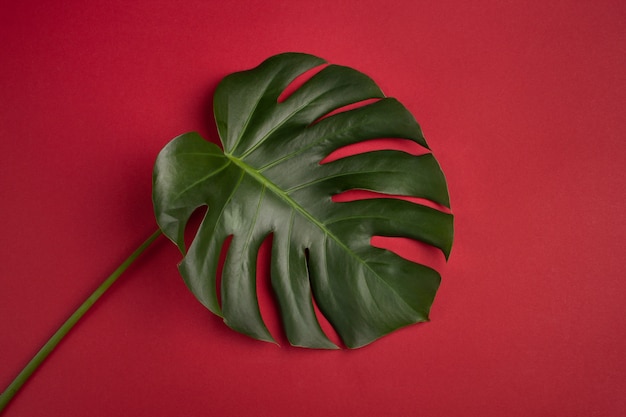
522, 103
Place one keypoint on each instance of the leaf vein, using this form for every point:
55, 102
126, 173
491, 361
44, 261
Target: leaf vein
338, 175
201, 180
247, 122
276, 127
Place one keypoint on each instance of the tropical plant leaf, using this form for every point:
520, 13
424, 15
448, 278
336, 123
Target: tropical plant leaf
269, 180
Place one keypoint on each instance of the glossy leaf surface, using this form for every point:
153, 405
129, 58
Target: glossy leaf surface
269, 179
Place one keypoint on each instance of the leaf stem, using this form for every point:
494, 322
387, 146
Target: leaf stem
43, 353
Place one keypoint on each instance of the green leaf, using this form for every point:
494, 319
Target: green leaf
269, 180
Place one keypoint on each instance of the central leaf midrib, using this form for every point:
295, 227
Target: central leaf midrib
291, 202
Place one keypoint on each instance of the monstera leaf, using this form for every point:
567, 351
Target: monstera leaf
271, 178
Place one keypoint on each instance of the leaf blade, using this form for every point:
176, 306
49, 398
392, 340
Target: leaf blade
269, 180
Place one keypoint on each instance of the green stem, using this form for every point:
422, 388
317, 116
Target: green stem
36, 361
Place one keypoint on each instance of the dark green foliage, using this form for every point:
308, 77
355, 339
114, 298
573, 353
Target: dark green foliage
268, 180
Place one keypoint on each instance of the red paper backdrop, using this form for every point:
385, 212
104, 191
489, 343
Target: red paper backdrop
523, 105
